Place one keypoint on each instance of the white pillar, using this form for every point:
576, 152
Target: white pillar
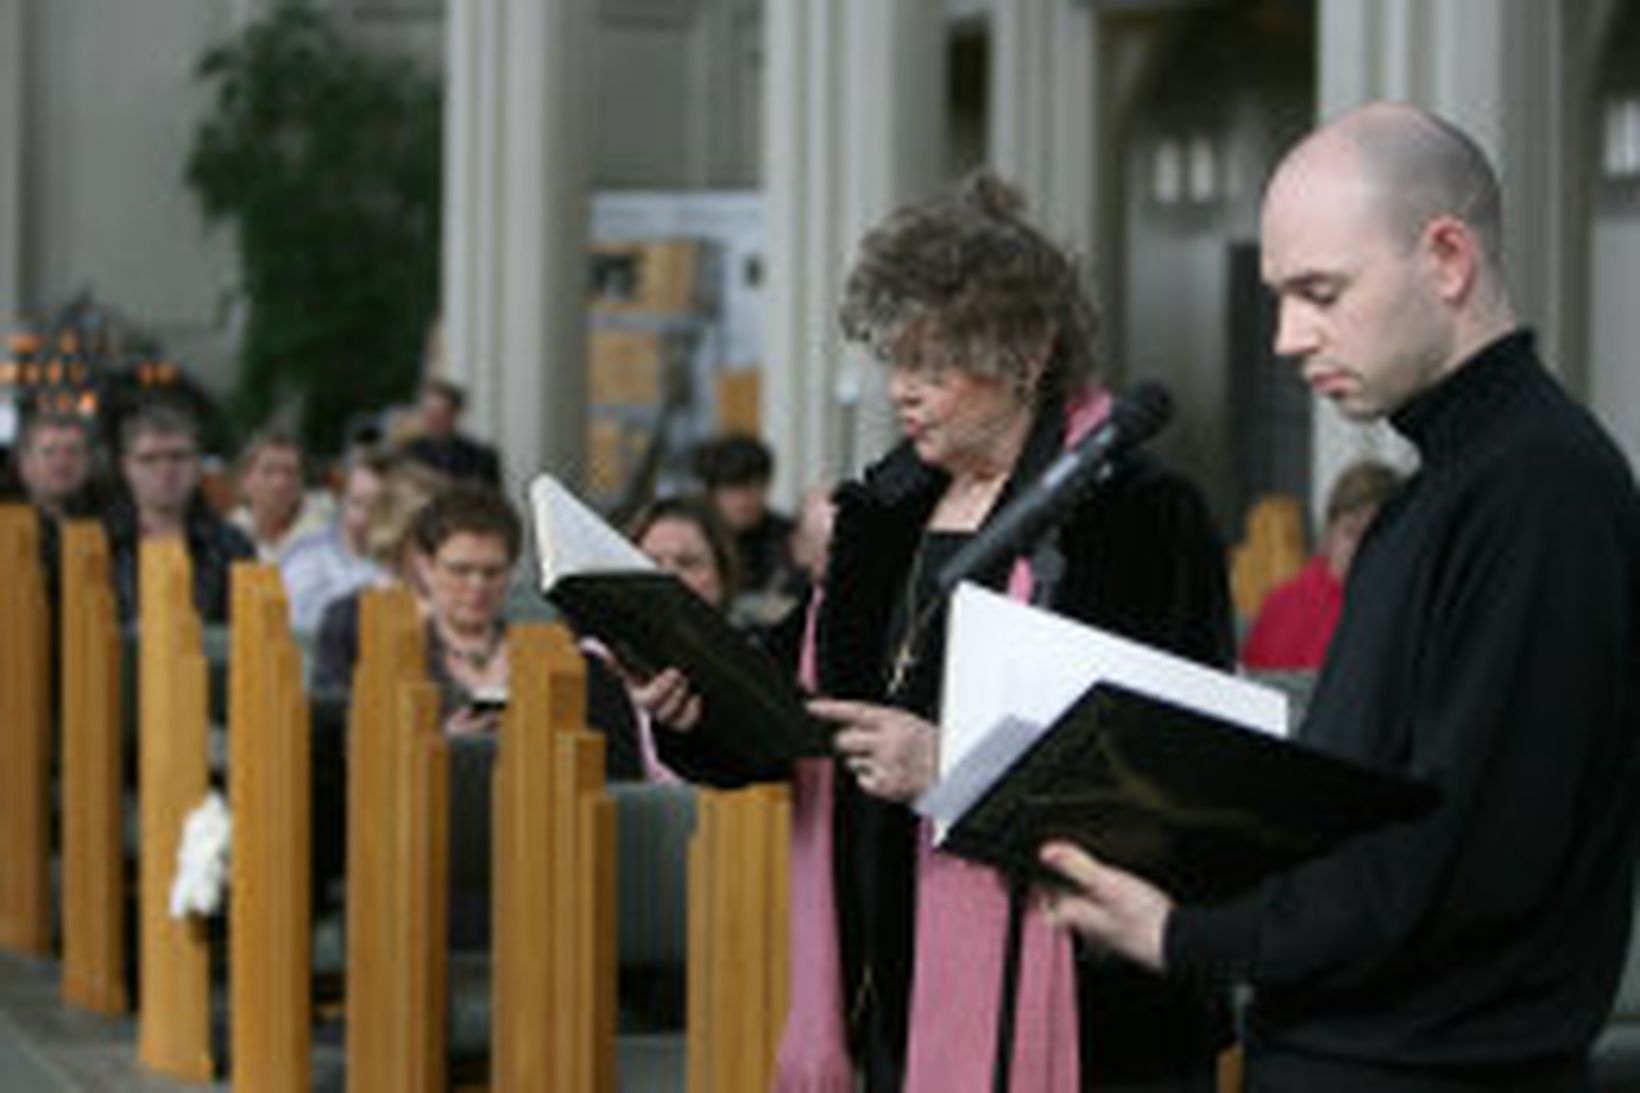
1044, 114
471, 311
854, 125
13, 154
1496, 68
516, 175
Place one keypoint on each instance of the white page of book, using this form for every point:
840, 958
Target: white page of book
571, 538
1011, 669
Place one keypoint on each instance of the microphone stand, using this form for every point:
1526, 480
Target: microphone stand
1034, 518
1047, 569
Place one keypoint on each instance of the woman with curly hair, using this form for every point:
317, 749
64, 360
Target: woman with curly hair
897, 957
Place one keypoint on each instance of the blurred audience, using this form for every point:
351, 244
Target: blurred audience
159, 463
54, 460
276, 508
333, 561
467, 542
686, 538
1296, 620
810, 541
389, 544
441, 445
735, 471
810, 546
53, 468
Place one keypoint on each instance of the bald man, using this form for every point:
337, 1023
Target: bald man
1488, 643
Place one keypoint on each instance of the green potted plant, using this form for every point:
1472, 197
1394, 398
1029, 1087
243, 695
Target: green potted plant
326, 161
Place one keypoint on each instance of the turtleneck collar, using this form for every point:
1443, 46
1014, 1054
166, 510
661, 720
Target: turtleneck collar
1439, 420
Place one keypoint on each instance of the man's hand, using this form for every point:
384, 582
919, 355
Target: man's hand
667, 698
891, 753
1109, 908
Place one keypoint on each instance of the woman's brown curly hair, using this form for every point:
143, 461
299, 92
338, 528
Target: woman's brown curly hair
966, 276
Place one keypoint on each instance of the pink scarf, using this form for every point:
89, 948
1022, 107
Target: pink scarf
962, 914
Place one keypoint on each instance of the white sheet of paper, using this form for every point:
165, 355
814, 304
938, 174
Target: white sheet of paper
1013, 668
571, 538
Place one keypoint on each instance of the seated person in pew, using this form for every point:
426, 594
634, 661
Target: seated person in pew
326, 565
467, 542
1296, 620
160, 471
406, 489
685, 537
735, 471
54, 464
276, 508
54, 468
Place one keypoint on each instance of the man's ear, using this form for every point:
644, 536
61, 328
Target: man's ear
1453, 255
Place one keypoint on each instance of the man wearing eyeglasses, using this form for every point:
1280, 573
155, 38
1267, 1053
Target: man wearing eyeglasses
160, 472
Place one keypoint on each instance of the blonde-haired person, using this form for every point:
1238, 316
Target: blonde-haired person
326, 565
388, 543
987, 334
1296, 620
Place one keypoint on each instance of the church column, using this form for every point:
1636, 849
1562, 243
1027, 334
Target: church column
516, 173
472, 120
1044, 114
1498, 68
854, 126
13, 154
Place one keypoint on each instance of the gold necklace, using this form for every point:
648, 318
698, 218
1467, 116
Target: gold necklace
905, 657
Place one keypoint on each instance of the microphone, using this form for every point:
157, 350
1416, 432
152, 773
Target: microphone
1136, 417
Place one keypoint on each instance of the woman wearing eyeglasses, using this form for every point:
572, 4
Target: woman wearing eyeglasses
467, 542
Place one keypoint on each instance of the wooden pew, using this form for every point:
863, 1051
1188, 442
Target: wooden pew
25, 737
738, 962
555, 877
397, 857
93, 857
270, 795
175, 992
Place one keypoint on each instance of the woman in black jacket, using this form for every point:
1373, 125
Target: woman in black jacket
988, 335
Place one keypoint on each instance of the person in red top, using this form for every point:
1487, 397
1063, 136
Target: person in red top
1296, 620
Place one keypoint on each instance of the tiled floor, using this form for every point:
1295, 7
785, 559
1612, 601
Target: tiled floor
50, 1047
21, 1064
46, 1047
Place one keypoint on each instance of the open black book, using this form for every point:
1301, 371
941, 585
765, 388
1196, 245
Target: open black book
1175, 771
1201, 807
609, 590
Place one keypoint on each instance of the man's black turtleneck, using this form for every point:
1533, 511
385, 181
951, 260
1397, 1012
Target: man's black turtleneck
1490, 642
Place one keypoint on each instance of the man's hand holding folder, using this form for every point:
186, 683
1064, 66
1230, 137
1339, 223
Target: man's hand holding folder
1126, 910
1056, 732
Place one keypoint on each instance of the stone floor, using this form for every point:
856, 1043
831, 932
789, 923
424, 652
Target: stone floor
47, 1047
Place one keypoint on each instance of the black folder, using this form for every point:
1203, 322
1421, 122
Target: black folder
1199, 806
650, 620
